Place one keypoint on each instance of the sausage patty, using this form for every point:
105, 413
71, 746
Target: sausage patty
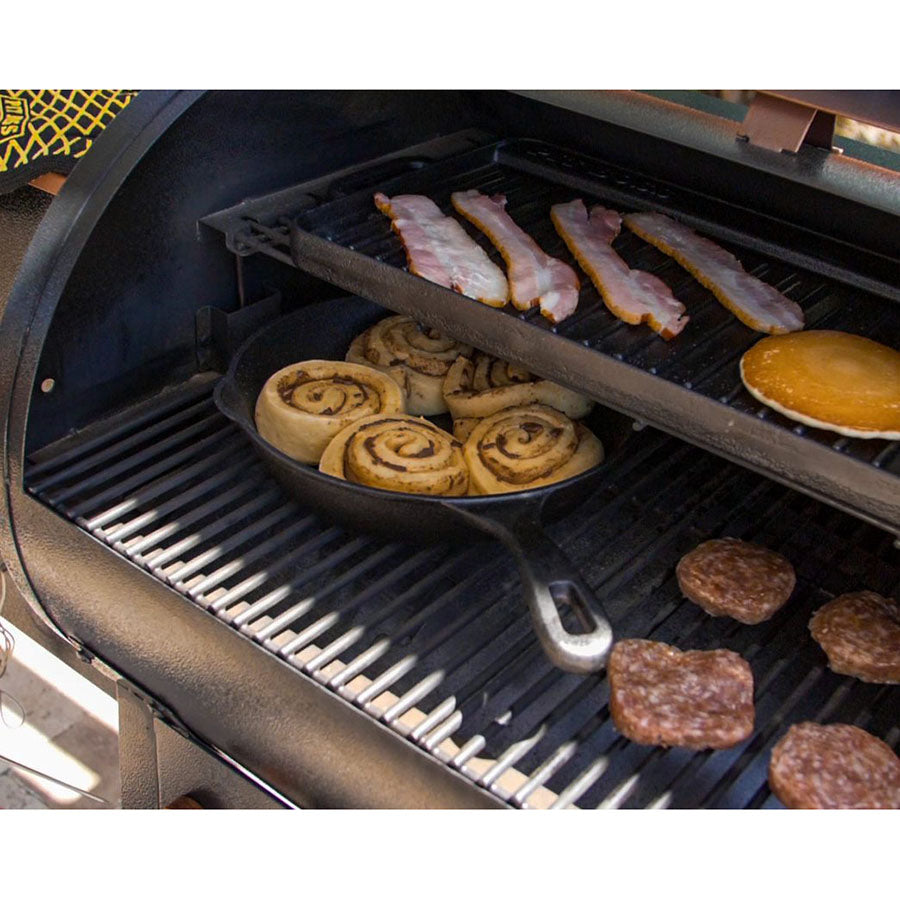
860, 633
697, 698
730, 577
834, 767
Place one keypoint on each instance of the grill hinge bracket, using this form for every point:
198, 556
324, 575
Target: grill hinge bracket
785, 126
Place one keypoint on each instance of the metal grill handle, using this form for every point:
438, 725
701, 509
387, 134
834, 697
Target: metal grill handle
551, 578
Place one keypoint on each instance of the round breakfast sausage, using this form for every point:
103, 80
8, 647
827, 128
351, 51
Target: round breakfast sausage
698, 698
730, 577
834, 767
860, 633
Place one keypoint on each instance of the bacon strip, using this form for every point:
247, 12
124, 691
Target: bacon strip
439, 249
632, 295
535, 278
757, 304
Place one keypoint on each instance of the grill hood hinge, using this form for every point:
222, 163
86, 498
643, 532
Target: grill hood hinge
784, 121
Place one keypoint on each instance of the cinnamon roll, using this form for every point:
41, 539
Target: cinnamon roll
303, 406
527, 447
462, 428
398, 453
416, 357
482, 385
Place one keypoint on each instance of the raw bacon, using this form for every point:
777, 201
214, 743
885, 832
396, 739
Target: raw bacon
438, 248
630, 294
535, 278
757, 304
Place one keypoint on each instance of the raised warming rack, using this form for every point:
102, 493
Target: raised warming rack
690, 386
435, 642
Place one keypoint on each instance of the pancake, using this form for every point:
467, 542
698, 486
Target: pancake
828, 379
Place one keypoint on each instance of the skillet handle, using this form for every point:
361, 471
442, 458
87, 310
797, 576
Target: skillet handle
549, 576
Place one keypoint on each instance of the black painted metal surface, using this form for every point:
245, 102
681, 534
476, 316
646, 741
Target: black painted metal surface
177, 490
690, 386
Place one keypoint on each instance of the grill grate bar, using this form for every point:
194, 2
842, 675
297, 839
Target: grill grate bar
380, 585
180, 576
509, 759
140, 421
140, 547
150, 451
420, 588
385, 680
582, 784
254, 582
120, 532
262, 550
142, 477
158, 561
161, 486
90, 461
439, 715
434, 740
288, 617
545, 770
413, 696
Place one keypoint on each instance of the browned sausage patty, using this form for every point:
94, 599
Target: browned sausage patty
697, 698
860, 633
730, 577
834, 767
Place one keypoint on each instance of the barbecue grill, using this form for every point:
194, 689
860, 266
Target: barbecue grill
327, 666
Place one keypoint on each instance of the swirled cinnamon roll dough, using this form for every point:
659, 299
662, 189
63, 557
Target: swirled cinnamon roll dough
303, 406
527, 447
483, 384
416, 357
398, 453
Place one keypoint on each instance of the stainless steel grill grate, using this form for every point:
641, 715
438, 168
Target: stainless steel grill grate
434, 641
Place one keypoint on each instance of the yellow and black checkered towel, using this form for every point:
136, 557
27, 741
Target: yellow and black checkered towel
48, 131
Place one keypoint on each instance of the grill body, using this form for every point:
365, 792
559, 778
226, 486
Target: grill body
233, 617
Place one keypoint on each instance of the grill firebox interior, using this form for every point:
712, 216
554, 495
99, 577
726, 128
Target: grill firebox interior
435, 641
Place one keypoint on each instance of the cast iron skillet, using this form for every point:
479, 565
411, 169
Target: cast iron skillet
324, 331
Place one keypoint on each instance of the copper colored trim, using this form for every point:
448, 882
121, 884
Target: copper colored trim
880, 108
49, 182
779, 124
